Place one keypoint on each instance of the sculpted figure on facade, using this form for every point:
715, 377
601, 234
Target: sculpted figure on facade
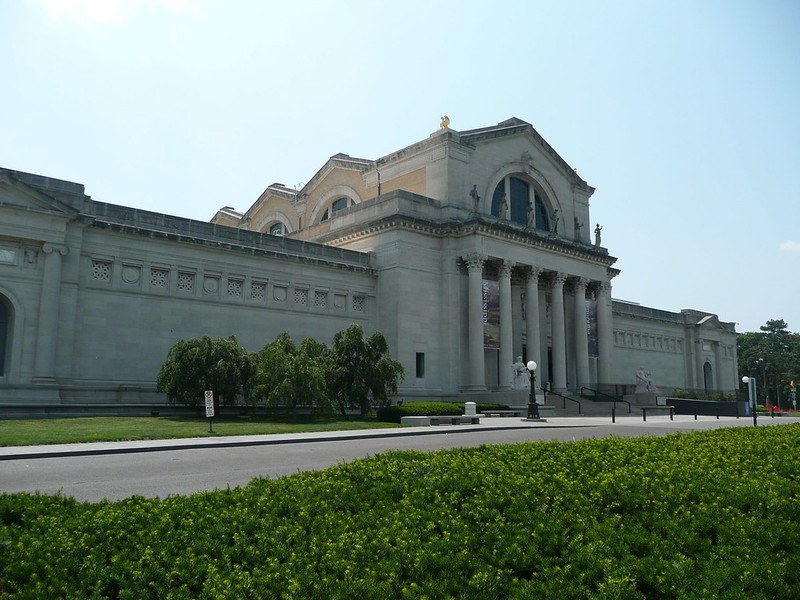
644, 382
555, 219
597, 231
445, 122
475, 197
522, 378
578, 227
503, 210
531, 216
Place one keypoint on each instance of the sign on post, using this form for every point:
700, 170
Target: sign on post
210, 409
209, 404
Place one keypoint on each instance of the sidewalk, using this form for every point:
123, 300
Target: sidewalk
487, 424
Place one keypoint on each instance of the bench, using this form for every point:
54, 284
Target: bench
423, 421
456, 420
505, 413
660, 407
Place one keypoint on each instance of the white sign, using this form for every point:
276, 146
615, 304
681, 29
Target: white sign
209, 404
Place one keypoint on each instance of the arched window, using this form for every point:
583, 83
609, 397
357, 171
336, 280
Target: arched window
336, 206
5, 325
523, 197
277, 229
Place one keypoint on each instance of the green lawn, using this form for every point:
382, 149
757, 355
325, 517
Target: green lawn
24, 432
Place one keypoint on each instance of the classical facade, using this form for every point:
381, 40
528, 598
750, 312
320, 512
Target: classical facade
467, 250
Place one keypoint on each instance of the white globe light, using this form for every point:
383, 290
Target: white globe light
531, 365
745, 380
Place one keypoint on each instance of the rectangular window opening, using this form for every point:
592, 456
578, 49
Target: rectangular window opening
420, 365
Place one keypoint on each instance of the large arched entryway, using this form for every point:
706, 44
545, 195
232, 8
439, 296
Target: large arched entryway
708, 377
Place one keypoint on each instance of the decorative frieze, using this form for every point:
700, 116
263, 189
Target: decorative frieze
184, 281
645, 341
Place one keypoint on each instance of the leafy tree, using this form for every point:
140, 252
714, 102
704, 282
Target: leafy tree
772, 356
289, 375
200, 364
361, 374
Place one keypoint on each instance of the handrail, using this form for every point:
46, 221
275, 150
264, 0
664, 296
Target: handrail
595, 397
563, 399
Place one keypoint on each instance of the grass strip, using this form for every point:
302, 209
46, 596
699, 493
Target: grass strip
30, 432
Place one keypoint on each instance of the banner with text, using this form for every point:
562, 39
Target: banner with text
491, 314
591, 325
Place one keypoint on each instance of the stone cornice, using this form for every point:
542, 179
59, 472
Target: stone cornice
458, 229
156, 225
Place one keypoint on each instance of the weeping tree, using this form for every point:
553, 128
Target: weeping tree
196, 365
289, 375
361, 375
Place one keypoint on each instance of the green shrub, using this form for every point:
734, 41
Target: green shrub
702, 515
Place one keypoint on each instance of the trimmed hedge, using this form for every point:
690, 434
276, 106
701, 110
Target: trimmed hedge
392, 414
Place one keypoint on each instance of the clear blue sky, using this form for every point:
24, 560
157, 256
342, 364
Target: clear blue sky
685, 115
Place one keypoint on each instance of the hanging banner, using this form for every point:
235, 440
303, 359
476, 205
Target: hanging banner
491, 314
591, 325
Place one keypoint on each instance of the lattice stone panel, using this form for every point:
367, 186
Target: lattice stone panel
359, 303
258, 290
301, 297
235, 288
101, 270
185, 282
159, 278
320, 299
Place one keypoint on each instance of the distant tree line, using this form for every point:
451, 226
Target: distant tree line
355, 373
772, 356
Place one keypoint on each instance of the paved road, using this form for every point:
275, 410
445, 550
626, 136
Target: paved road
92, 472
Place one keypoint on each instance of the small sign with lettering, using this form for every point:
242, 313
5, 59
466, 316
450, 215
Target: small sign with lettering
209, 404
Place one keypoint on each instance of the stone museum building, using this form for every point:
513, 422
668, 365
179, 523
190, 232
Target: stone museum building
467, 250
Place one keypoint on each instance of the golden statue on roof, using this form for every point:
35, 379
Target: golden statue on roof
445, 123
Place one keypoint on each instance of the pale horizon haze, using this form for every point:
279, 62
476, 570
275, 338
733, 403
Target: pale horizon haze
683, 114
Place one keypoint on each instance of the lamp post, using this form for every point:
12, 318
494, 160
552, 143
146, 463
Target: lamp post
533, 408
750, 382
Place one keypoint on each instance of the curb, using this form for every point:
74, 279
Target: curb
76, 452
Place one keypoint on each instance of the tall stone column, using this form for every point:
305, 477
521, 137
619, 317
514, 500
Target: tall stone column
700, 372
532, 329
605, 333
506, 329
47, 333
476, 377
558, 334
581, 334
717, 366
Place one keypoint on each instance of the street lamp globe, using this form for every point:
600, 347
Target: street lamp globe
745, 380
533, 408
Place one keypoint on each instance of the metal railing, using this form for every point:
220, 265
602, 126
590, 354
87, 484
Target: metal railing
596, 396
563, 399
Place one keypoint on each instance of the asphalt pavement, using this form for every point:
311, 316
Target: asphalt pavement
159, 468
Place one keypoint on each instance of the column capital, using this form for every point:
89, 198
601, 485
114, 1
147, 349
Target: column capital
49, 248
580, 282
506, 267
530, 272
474, 260
558, 279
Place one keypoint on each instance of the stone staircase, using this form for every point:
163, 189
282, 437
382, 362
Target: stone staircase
561, 406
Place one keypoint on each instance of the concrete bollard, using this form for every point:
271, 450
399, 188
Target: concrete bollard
469, 409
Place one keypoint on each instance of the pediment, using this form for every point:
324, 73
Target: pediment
515, 127
14, 192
